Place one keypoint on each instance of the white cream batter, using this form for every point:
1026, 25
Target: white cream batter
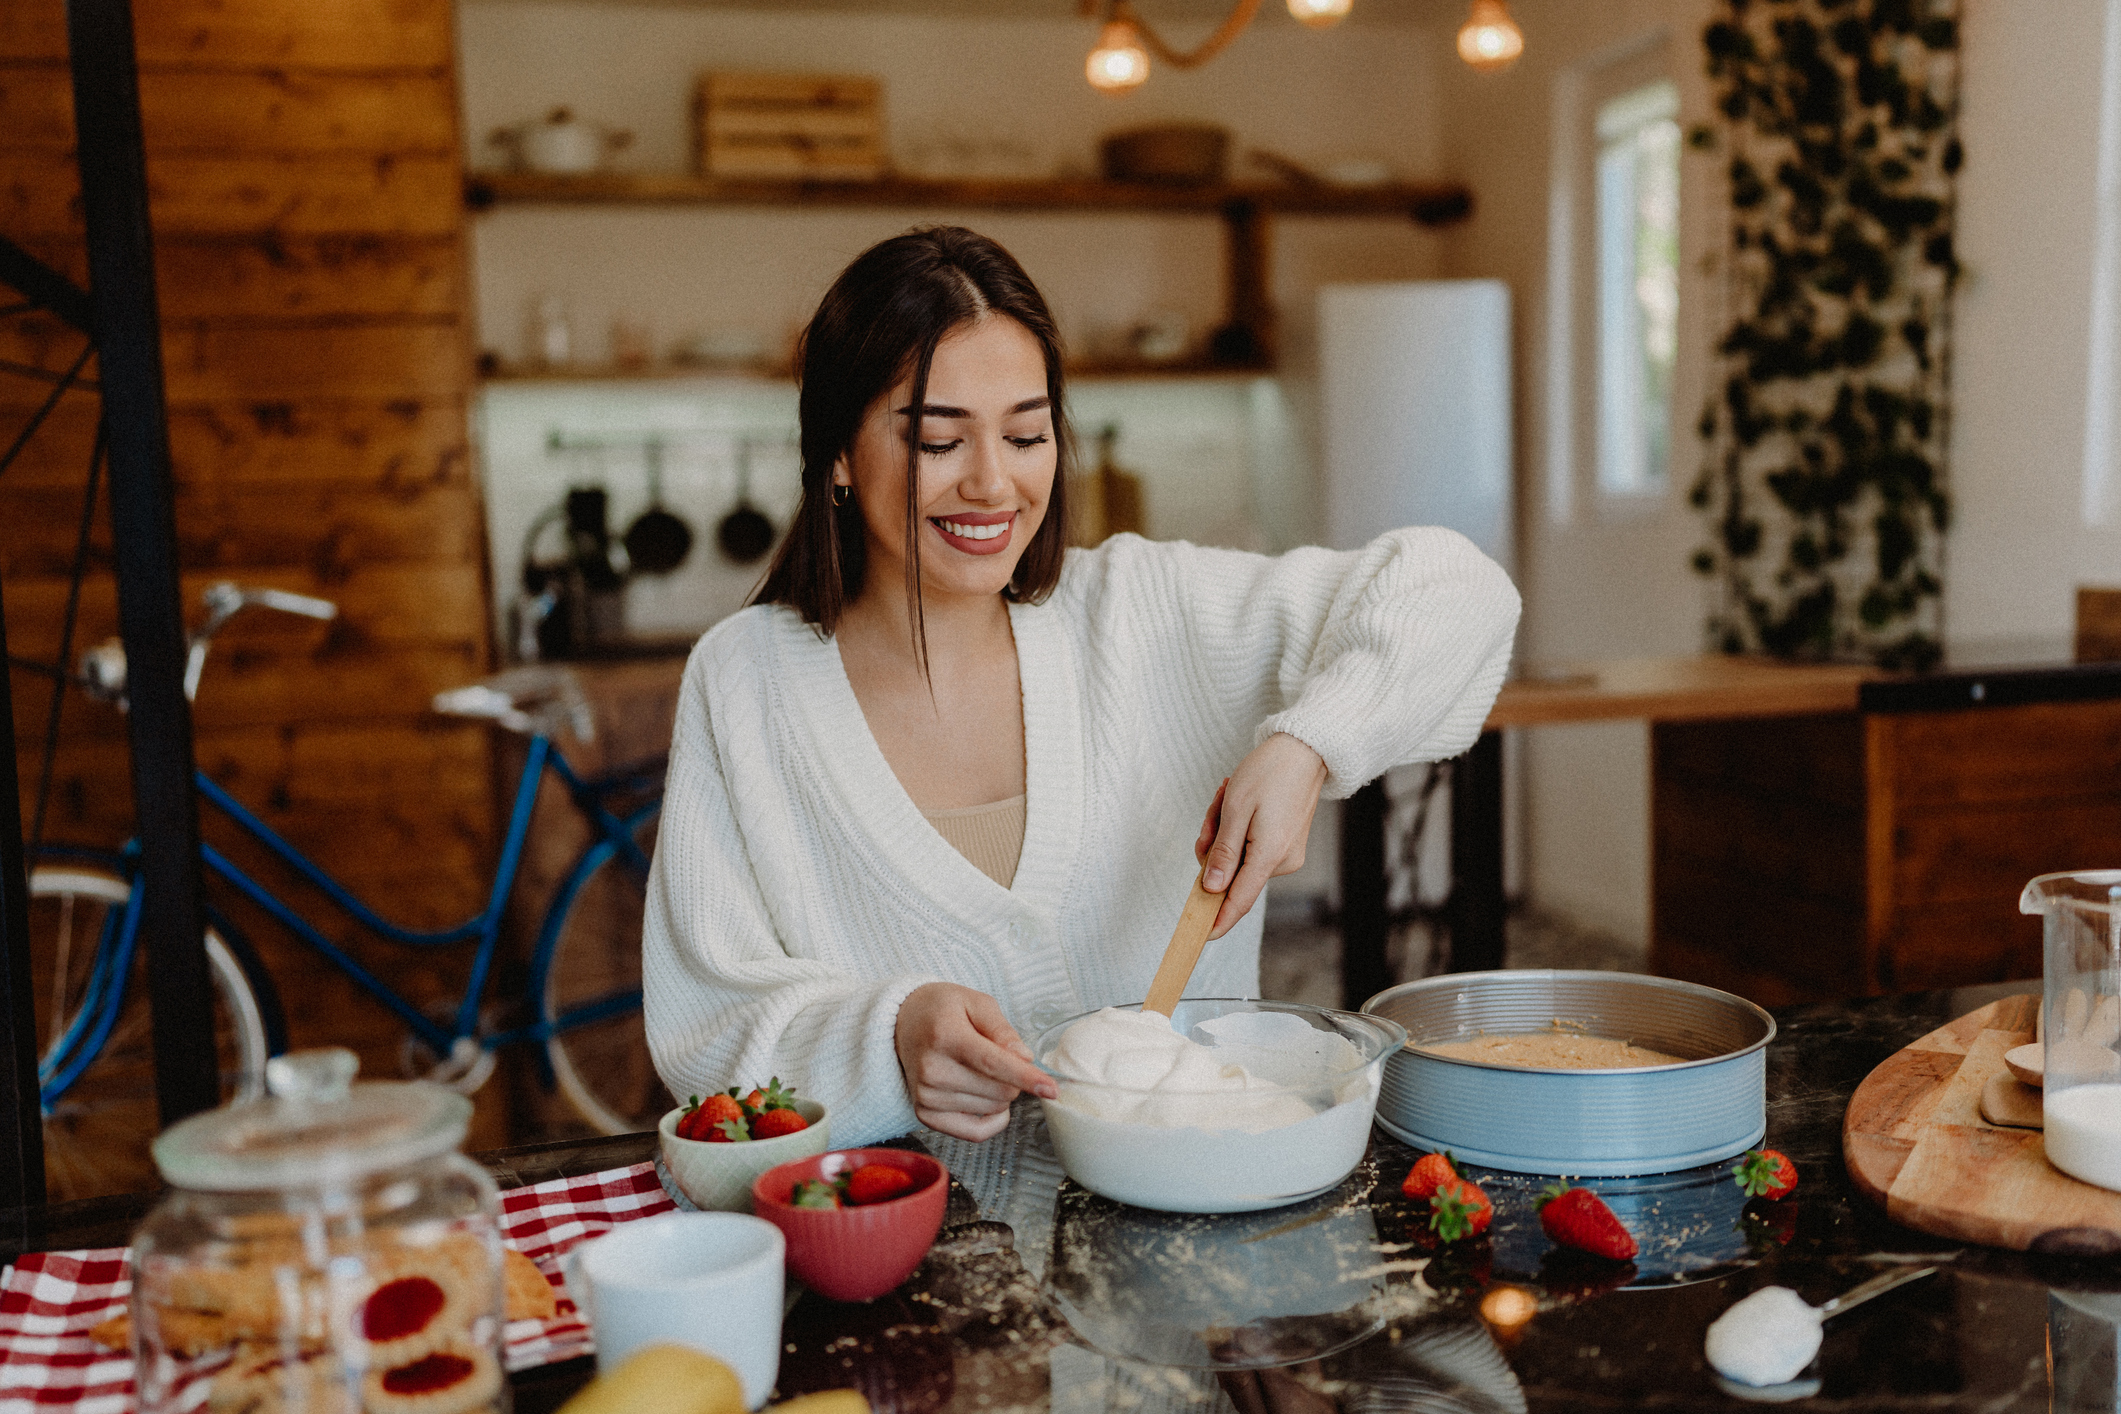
1271, 1109
1134, 1067
1766, 1339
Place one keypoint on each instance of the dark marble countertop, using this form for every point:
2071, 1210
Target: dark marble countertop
1039, 1295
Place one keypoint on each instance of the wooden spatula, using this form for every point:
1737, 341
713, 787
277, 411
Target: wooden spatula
1187, 939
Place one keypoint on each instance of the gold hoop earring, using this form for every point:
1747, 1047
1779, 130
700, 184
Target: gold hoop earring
840, 493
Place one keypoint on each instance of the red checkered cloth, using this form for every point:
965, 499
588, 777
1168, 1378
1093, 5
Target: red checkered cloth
50, 1300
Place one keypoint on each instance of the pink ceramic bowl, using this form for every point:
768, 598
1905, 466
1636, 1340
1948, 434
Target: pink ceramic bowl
853, 1254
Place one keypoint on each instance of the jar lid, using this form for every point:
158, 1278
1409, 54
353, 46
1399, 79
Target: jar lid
316, 1128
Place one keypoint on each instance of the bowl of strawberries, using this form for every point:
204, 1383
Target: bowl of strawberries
858, 1221
714, 1147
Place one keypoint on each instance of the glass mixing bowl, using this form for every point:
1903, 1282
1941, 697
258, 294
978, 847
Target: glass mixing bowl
1299, 1129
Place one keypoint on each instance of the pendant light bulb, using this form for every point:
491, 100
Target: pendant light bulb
1119, 64
1320, 14
1491, 40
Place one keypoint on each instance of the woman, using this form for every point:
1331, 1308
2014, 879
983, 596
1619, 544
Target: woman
935, 789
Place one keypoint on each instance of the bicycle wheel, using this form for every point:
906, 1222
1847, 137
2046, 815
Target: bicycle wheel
598, 1048
97, 1130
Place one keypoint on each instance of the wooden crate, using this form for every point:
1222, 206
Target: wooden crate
819, 127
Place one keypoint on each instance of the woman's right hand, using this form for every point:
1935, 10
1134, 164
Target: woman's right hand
963, 1061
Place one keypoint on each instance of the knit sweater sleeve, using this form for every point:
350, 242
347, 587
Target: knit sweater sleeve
1374, 658
726, 1000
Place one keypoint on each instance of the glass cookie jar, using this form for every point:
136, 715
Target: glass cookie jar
325, 1250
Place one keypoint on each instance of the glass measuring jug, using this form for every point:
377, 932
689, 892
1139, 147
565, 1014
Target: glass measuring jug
2080, 1018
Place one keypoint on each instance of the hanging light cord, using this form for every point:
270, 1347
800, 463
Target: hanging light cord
1240, 16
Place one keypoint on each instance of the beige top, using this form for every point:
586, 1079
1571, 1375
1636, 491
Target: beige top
991, 836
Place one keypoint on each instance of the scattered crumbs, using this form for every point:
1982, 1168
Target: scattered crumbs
1402, 1265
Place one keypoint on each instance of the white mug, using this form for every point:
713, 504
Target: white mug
713, 1281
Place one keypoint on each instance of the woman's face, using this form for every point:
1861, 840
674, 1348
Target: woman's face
987, 459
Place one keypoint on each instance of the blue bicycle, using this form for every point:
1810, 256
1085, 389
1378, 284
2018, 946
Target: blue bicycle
583, 999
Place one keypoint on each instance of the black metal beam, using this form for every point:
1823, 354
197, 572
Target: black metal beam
127, 332
44, 286
1365, 927
1477, 908
21, 1117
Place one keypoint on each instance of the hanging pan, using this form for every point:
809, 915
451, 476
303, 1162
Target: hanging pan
658, 541
745, 533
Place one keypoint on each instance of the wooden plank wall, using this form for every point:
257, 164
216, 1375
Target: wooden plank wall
304, 175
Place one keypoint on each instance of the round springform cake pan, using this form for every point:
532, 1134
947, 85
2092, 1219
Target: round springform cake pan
1590, 1123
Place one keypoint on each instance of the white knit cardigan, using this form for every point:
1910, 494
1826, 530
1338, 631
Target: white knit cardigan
798, 895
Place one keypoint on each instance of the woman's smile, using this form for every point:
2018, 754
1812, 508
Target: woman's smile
976, 534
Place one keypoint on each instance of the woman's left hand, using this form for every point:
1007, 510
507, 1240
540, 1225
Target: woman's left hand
1258, 823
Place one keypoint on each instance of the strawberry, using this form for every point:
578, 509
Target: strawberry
1579, 1218
876, 1183
772, 1096
814, 1193
710, 1120
1765, 1173
775, 1123
692, 1124
1459, 1209
1429, 1172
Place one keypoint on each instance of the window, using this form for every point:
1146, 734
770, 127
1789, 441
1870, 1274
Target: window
1637, 197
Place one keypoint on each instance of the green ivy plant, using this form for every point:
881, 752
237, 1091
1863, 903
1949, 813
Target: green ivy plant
1823, 478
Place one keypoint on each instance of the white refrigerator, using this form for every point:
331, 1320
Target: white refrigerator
1414, 381
1414, 385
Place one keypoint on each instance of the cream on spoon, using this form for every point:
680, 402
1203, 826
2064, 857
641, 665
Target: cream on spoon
1769, 1337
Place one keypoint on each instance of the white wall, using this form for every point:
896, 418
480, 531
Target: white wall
1359, 89
1213, 454
1609, 580
2021, 338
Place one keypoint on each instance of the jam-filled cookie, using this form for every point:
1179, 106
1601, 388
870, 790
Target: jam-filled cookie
414, 1306
451, 1379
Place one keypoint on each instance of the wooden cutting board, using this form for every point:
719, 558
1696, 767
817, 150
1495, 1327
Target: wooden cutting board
1917, 1144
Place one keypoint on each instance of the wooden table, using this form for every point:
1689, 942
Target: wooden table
1690, 689
1818, 830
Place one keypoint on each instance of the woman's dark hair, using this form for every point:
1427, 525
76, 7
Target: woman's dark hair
880, 321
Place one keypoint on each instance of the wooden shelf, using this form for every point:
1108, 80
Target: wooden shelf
1244, 343
1184, 368
1428, 203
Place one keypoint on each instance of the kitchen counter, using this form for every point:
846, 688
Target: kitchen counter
985, 1323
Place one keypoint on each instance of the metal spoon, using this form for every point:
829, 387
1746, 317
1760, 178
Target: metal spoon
1877, 1286
1807, 1382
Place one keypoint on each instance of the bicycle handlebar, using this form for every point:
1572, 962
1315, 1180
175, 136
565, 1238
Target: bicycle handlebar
103, 670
